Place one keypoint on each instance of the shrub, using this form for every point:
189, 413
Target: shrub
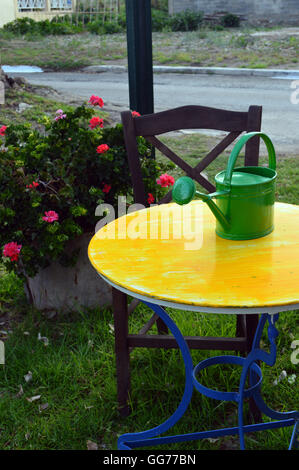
112, 27
52, 180
95, 27
230, 21
23, 26
160, 20
186, 21
98, 27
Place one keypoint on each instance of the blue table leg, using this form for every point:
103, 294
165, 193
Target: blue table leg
257, 354
250, 368
126, 441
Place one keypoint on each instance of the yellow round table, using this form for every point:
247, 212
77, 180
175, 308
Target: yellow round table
170, 255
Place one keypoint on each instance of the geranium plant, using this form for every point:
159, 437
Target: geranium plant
51, 182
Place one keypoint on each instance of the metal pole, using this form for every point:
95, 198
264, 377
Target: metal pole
140, 60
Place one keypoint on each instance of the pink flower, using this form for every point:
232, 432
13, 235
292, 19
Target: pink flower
103, 148
33, 185
150, 198
96, 101
96, 122
135, 114
106, 188
59, 115
165, 180
50, 216
12, 250
2, 130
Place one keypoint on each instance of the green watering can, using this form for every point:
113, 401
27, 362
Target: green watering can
245, 196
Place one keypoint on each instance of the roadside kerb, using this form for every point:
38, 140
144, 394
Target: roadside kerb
281, 73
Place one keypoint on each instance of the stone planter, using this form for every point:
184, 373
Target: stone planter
69, 288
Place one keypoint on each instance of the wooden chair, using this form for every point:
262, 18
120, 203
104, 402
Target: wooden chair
149, 126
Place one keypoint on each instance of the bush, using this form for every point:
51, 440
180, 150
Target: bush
52, 180
95, 27
23, 26
112, 27
108, 27
230, 21
160, 20
186, 21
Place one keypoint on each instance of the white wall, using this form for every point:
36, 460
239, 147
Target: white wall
7, 11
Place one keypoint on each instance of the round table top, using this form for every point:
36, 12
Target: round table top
171, 255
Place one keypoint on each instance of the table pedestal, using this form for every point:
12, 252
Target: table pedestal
250, 369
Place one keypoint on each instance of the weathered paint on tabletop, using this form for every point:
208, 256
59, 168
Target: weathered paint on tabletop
172, 253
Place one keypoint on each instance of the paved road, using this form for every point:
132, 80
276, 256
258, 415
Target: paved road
280, 116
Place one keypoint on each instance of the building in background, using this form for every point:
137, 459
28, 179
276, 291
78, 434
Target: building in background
35, 9
252, 11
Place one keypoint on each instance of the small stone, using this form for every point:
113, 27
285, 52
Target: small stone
23, 106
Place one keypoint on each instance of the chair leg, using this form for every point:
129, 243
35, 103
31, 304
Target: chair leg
162, 328
251, 321
240, 328
120, 312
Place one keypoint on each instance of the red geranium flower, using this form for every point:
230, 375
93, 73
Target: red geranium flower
50, 216
106, 188
135, 114
12, 250
150, 198
96, 122
33, 185
2, 130
103, 148
96, 101
165, 180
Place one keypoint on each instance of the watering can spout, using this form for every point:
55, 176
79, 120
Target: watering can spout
184, 191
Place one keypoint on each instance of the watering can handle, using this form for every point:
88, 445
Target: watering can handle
237, 148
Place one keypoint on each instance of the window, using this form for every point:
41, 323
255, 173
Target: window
31, 5
61, 4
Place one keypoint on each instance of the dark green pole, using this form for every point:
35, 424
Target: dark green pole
140, 60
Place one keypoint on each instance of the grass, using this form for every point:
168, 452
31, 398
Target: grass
41, 104
75, 374
228, 48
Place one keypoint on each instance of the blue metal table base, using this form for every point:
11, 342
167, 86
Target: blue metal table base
250, 369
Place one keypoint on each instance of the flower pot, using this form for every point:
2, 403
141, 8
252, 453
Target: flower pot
69, 288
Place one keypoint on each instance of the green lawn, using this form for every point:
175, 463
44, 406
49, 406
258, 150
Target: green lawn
41, 103
240, 47
74, 375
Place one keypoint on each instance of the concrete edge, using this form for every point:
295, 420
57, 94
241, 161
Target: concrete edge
199, 70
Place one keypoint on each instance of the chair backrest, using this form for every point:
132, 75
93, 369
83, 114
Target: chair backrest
188, 117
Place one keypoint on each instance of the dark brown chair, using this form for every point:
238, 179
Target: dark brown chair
149, 126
